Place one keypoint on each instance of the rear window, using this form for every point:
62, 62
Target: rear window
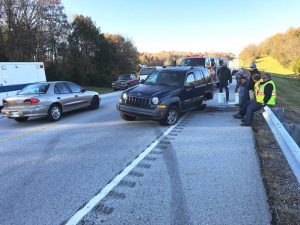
193, 62
147, 71
34, 89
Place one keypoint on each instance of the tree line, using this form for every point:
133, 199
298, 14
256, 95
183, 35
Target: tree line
32, 30
285, 47
168, 58
39, 30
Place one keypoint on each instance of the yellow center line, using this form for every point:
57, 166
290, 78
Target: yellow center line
26, 133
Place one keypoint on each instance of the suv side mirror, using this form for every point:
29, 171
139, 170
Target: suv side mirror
142, 81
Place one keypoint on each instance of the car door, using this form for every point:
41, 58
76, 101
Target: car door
81, 99
64, 96
188, 94
200, 87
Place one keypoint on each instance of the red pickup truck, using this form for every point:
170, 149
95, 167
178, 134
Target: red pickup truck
125, 81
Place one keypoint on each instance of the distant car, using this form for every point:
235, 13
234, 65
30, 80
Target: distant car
166, 94
125, 81
50, 99
147, 70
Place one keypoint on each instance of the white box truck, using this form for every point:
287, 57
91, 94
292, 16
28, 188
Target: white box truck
16, 75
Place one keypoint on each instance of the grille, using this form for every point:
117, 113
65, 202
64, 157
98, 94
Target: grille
138, 101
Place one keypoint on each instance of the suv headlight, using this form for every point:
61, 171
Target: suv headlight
155, 100
124, 96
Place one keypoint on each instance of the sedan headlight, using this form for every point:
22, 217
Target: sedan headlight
124, 96
155, 100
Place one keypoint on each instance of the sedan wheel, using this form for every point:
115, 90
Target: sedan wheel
54, 113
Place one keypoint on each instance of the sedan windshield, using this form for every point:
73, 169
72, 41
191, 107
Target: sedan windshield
168, 78
124, 77
34, 89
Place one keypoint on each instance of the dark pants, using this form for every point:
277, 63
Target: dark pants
251, 107
224, 85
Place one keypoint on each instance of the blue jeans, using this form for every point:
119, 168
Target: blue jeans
252, 106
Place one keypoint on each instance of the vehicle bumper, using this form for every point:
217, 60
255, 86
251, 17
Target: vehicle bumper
30, 111
154, 114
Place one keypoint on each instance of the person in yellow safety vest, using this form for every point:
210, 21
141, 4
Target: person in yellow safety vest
265, 94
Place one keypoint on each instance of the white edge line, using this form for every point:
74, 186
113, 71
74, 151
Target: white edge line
75, 219
285, 141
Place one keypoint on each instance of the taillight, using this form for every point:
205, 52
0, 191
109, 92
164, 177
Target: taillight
32, 101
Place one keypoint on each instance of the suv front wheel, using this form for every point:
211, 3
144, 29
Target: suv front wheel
171, 116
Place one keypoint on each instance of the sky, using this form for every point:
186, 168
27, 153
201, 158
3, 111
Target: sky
190, 25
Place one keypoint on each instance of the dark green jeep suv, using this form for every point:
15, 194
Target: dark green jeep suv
167, 93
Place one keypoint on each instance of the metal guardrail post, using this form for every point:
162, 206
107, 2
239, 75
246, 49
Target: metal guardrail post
287, 144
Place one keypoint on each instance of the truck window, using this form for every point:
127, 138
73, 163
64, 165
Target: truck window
207, 76
190, 79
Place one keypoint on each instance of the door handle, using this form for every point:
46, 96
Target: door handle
76, 96
58, 97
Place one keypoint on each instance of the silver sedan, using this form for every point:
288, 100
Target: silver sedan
49, 99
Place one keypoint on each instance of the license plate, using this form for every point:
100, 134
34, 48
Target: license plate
14, 114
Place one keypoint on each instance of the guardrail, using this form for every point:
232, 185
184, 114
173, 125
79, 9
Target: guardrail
287, 144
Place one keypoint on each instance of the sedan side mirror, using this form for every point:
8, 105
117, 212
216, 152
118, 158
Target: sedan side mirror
82, 90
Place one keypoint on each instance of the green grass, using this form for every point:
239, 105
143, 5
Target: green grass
271, 65
288, 88
100, 90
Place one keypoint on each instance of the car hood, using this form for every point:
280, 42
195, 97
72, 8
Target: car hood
119, 81
152, 91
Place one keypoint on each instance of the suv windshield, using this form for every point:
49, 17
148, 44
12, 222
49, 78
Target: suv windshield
168, 78
124, 77
34, 89
147, 71
193, 62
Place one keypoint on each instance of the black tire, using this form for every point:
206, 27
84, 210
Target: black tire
128, 118
94, 103
54, 113
21, 119
171, 116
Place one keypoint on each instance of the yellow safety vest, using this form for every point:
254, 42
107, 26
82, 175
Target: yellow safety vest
260, 95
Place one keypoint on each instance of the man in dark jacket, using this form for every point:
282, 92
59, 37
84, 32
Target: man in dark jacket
224, 77
253, 70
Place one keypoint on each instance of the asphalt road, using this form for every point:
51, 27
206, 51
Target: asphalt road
199, 174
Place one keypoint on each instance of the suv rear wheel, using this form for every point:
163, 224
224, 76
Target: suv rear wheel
171, 116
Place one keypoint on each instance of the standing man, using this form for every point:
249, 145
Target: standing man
224, 77
265, 94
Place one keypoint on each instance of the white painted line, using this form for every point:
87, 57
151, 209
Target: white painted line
75, 219
287, 144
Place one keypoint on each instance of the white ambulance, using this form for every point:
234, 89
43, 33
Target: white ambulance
14, 76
